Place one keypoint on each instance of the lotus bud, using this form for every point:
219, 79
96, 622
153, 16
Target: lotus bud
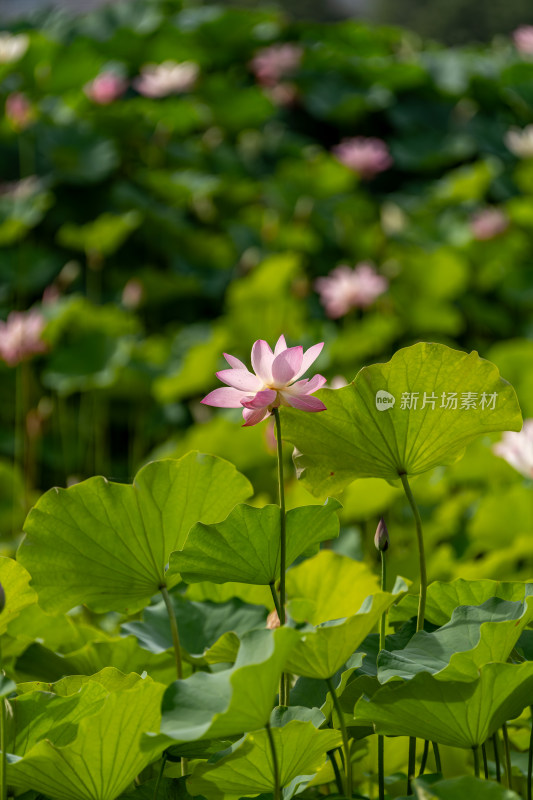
2, 598
381, 539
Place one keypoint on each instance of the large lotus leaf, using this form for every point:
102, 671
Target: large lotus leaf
475, 636
207, 706
324, 649
417, 411
107, 544
314, 693
105, 755
200, 624
245, 547
222, 592
125, 654
464, 788
18, 593
443, 597
247, 771
449, 712
335, 586
112, 679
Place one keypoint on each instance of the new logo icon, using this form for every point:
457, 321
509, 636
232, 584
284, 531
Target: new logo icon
384, 400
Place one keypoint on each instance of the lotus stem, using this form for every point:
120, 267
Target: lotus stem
338, 777
345, 739
3, 743
530, 758
422, 558
425, 754
507, 751
381, 738
495, 744
177, 648
475, 750
284, 683
411, 763
485, 761
160, 776
275, 767
436, 753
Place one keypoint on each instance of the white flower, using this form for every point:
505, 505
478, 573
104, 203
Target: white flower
160, 80
12, 47
517, 449
520, 141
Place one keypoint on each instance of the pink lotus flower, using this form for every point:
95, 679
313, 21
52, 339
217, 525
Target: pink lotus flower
105, 88
160, 80
20, 336
517, 449
271, 64
345, 288
19, 110
273, 383
520, 141
367, 156
488, 223
523, 39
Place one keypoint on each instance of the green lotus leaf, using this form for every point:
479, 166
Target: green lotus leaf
246, 770
455, 713
200, 624
313, 693
15, 581
324, 649
372, 428
107, 544
100, 754
335, 586
207, 706
443, 597
475, 636
110, 678
245, 546
464, 788
123, 654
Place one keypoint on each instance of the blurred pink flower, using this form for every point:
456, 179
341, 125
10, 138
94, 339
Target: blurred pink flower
517, 449
345, 288
488, 223
160, 80
272, 385
105, 88
20, 336
19, 110
133, 293
271, 64
523, 39
367, 156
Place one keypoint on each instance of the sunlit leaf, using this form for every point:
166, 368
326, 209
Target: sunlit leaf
100, 754
18, 593
245, 547
247, 768
444, 596
372, 428
239, 699
334, 585
327, 647
107, 544
475, 636
462, 788
450, 712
